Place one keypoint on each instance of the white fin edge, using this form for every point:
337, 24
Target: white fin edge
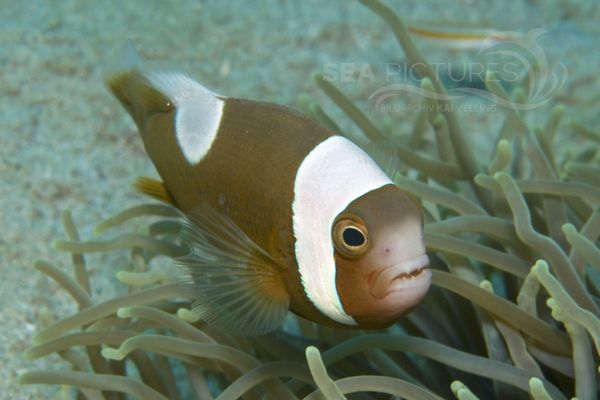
125, 59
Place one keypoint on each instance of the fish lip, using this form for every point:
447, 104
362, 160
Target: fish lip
411, 275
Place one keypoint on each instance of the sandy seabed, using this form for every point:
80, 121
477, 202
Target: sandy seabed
65, 143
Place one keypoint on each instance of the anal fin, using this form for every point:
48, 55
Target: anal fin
237, 286
154, 188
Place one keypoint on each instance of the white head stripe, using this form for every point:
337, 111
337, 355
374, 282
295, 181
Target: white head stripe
198, 112
332, 175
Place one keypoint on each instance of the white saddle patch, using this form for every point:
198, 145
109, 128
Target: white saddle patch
332, 175
198, 112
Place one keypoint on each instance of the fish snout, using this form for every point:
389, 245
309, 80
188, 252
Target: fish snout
408, 279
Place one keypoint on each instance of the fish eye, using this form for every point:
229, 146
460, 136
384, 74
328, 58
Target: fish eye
353, 237
350, 236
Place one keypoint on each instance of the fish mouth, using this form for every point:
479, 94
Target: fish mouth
412, 276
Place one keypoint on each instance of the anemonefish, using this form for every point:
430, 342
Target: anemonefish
280, 213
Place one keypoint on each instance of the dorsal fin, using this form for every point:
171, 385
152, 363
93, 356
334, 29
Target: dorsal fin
385, 155
154, 188
237, 286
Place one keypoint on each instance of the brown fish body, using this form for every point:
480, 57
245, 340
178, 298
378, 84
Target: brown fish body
257, 153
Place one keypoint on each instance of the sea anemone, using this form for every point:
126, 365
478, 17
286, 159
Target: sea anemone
513, 311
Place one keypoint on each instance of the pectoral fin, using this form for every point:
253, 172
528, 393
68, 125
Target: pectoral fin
237, 286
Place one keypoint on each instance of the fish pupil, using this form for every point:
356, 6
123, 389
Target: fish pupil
353, 237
